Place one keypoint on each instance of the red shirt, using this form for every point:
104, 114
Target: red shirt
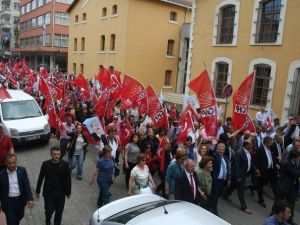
5, 146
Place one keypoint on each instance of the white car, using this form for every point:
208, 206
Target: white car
149, 209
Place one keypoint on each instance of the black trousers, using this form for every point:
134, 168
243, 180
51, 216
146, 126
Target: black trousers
14, 211
262, 181
240, 188
54, 202
217, 189
128, 171
63, 147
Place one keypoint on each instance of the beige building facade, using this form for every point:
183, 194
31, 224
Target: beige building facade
231, 38
140, 38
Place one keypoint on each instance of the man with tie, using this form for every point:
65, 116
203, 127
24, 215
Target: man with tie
266, 173
15, 191
277, 147
186, 185
220, 175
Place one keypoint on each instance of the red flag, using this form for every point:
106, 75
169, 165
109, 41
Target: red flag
82, 83
44, 73
126, 132
49, 90
186, 125
4, 93
104, 77
189, 109
156, 111
16, 67
202, 86
102, 103
115, 87
249, 125
241, 101
12, 80
110, 109
135, 91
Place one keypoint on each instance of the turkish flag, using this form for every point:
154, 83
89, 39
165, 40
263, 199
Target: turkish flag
102, 103
115, 87
135, 91
110, 109
249, 125
4, 93
156, 111
49, 90
241, 101
12, 80
44, 73
82, 83
202, 86
189, 109
186, 126
126, 132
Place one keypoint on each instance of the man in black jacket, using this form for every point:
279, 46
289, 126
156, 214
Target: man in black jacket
186, 186
15, 191
57, 185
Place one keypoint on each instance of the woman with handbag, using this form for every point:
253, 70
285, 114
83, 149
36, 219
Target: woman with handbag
204, 180
105, 173
77, 150
132, 150
141, 181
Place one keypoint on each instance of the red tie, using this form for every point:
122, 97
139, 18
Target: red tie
192, 185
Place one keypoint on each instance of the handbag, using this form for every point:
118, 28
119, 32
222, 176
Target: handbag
146, 190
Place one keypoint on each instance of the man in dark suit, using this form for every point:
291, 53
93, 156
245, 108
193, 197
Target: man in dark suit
277, 147
240, 169
186, 186
265, 164
220, 175
57, 185
15, 191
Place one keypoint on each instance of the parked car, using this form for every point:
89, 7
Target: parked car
149, 209
22, 118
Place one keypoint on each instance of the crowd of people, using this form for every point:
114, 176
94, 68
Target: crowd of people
201, 170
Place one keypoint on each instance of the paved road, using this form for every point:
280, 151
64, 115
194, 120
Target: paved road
83, 200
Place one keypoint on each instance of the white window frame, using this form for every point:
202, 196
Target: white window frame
213, 71
288, 90
273, 65
47, 18
280, 28
61, 17
236, 3
33, 4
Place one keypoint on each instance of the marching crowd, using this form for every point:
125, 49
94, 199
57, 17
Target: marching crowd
200, 170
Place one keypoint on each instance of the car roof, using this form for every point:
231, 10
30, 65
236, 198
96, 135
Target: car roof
179, 213
125, 203
17, 95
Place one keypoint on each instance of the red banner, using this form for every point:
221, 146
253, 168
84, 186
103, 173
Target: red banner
82, 83
4, 93
102, 103
126, 132
241, 101
156, 111
202, 86
135, 91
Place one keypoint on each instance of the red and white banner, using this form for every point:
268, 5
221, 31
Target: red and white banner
249, 125
82, 83
126, 132
156, 111
241, 101
202, 86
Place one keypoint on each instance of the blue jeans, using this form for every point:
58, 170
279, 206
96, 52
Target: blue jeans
77, 160
103, 197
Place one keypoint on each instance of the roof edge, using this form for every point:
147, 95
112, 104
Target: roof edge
72, 5
178, 4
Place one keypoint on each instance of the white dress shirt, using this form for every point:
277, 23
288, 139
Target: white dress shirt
269, 157
14, 190
248, 159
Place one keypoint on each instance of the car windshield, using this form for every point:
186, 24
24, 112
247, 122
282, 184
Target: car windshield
128, 214
20, 110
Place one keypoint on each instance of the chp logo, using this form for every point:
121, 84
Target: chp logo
240, 109
141, 96
208, 112
159, 115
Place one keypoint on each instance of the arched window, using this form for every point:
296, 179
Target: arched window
173, 16
170, 47
114, 10
226, 24
261, 84
268, 20
221, 77
84, 17
104, 12
168, 78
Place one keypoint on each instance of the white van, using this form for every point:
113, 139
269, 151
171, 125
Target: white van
22, 118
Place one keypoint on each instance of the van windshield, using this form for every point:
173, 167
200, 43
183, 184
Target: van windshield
20, 110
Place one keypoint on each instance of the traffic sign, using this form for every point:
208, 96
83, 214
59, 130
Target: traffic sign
227, 90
